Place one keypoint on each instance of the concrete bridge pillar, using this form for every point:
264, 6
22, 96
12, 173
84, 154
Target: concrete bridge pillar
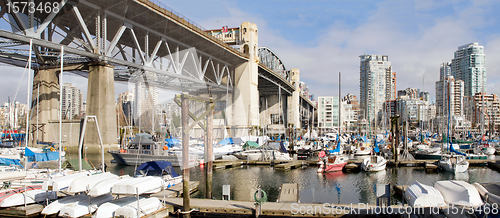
246, 97
45, 105
294, 100
101, 103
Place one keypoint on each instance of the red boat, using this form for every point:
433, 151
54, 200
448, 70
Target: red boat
332, 163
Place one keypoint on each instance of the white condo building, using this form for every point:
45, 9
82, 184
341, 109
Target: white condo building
377, 85
72, 101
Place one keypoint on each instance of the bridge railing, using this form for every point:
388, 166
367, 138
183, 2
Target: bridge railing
159, 3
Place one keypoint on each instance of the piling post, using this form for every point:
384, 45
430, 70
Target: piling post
185, 153
209, 146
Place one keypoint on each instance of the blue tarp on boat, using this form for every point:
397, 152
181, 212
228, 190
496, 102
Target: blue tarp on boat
8, 162
226, 141
32, 156
172, 142
156, 168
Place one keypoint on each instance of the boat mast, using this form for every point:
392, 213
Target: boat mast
340, 107
28, 105
60, 105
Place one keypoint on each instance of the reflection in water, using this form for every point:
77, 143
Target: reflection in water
333, 187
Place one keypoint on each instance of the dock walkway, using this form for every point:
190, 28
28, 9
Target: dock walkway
289, 193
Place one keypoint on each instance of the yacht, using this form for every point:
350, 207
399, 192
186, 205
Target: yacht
143, 149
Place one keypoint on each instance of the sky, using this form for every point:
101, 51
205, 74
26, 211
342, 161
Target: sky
324, 37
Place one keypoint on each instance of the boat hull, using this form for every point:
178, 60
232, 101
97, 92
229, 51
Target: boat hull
137, 159
380, 165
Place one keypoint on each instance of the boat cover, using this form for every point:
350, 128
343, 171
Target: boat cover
226, 141
156, 168
33, 156
250, 145
8, 162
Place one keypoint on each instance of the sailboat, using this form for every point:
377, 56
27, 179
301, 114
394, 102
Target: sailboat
456, 163
374, 162
333, 162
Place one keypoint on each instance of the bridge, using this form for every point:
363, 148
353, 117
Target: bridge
141, 42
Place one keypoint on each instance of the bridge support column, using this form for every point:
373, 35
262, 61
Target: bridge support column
246, 96
294, 100
101, 103
45, 105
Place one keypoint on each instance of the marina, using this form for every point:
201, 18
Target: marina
214, 125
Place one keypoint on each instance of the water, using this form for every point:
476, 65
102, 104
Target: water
334, 187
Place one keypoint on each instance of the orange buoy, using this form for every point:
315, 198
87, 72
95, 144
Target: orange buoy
165, 148
122, 150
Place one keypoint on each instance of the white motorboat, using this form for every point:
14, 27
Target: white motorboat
104, 187
489, 191
272, 150
484, 148
374, 163
28, 197
146, 206
88, 182
420, 195
84, 207
459, 193
56, 206
454, 163
108, 209
261, 154
363, 149
139, 185
61, 183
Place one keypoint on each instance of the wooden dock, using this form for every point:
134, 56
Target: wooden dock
289, 193
176, 190
290, 165
219, 208
32, 210
224, 164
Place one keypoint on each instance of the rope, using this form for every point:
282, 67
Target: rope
262, 199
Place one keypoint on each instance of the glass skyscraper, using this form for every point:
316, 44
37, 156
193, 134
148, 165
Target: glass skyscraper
377, 85
468, 65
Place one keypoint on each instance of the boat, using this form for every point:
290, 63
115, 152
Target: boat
334, 161
56, 206
62, 183
332, 164
84, 207
146, 206
87, 182
142, 149
454, 163
20, 196
433, 153
108, 209
139, 185
490, 192
161, 169
456, 192
484, 148
374, 163
272, 150
421, 195
363, 149
104, 187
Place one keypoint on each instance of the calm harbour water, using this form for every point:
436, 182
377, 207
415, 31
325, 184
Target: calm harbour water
334, 187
